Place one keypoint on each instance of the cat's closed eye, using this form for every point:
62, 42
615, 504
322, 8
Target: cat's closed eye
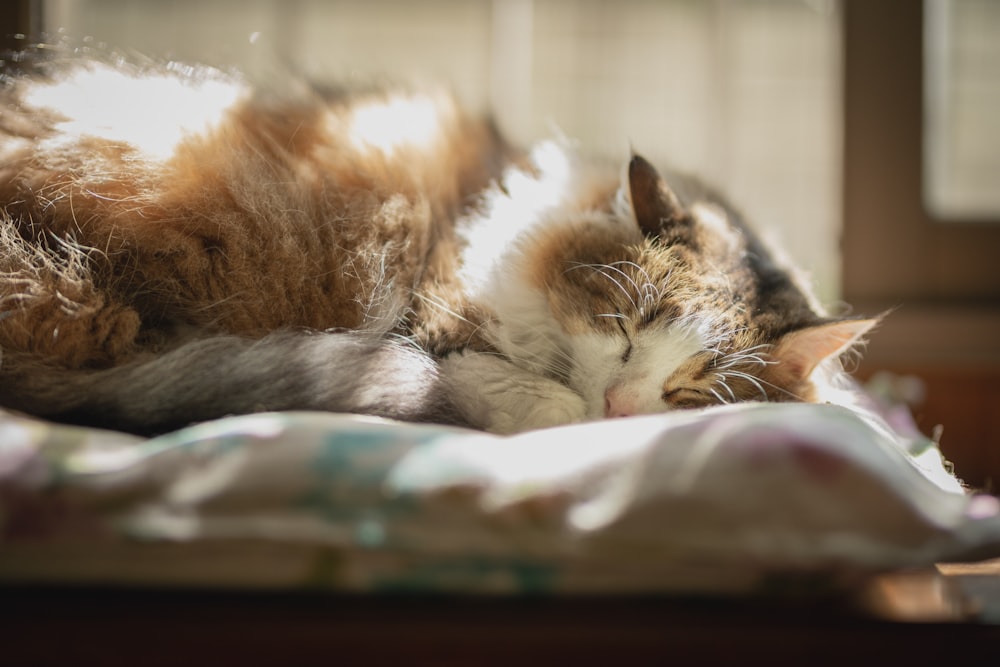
685, 397
627, 354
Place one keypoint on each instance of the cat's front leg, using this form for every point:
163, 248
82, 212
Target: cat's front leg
500, 397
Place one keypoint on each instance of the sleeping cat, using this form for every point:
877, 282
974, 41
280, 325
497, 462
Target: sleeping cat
178, 245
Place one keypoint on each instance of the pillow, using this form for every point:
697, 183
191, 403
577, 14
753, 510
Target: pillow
726, 500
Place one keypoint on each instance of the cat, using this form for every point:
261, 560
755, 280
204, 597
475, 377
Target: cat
179, 244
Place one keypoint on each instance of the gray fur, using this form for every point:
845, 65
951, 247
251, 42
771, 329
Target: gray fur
203, 379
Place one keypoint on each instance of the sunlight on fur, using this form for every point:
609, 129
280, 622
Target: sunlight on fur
399, 121
104, 102
524, 200
178, 247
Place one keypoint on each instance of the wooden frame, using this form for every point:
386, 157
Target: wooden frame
19, 17
943, 278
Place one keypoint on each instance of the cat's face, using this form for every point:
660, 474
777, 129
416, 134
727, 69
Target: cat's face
659, 306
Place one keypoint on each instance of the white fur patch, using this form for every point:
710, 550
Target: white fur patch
495, 261
509, 213
399, 121
503, 398
163, 108
634, 385
525, 330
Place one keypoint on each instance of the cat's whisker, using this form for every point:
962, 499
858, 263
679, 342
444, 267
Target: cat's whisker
558, 363
652, 297
557, 366
614, 267
756, 382
652, 291
731, 361
718, 396
624, 291
760, 383
602, 269
643, 273
439, 303
475, 333
409, 341
750, 355
762, 347
555, 360
721, 380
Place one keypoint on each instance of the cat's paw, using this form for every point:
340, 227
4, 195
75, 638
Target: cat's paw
563, 406
503, 398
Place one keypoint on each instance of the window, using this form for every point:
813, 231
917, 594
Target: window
962, 105
943, 278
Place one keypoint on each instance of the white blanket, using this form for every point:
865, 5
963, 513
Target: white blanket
727, 500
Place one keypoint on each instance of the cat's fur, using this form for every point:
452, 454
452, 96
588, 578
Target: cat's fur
176, 245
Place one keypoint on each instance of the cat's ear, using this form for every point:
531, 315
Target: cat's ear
799, 352
653, 202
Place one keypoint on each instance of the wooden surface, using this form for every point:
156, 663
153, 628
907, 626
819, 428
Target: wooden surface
946, 616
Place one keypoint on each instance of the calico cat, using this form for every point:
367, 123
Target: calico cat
178, 245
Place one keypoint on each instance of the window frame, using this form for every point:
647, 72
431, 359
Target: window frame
19, 17
941, 278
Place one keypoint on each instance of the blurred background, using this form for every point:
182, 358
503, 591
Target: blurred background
862, 136
745, 94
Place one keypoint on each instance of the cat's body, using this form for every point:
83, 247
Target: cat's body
369, 252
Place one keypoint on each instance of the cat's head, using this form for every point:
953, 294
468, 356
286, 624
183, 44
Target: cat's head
661, 304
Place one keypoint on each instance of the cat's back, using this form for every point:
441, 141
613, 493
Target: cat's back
193, 195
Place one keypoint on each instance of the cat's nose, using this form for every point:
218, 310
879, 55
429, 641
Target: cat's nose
616, 404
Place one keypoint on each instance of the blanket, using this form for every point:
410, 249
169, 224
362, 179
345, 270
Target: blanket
733, 500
